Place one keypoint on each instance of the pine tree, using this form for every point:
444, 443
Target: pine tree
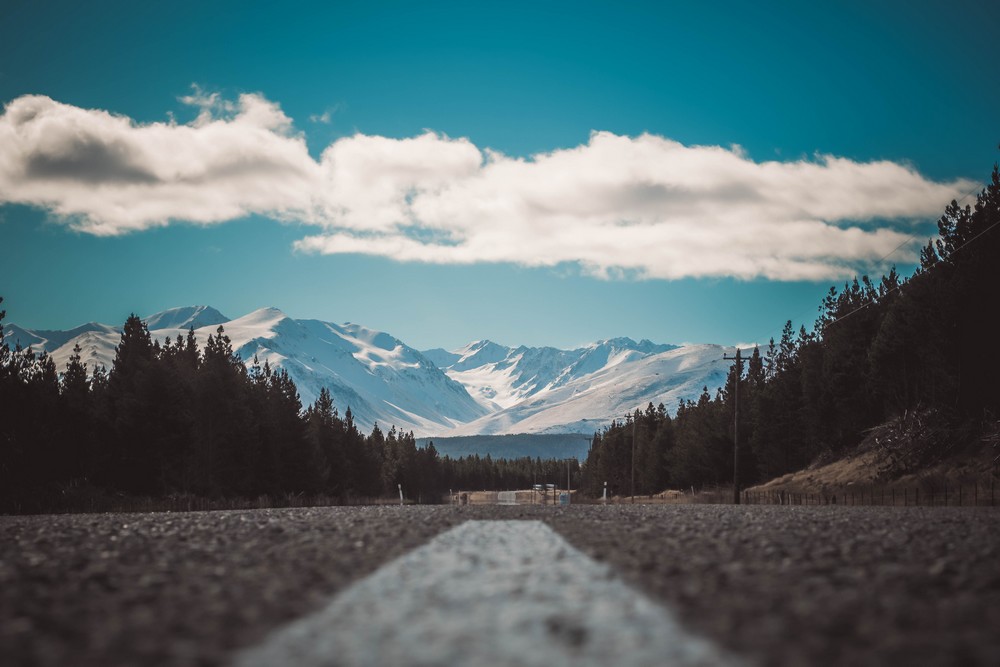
131, 462
225, 430
77, 409
325, 431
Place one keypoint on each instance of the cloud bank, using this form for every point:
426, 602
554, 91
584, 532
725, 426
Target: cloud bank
642, 206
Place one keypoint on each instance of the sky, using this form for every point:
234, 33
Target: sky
532, 173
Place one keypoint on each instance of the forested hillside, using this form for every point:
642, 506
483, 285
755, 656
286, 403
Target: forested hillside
880, 350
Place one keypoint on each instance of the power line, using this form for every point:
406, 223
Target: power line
979, 187
899, 286
911, 238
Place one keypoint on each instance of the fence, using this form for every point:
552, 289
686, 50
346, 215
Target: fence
518, 497
974, 495
97, 502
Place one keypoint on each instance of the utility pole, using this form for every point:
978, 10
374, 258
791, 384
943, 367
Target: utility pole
736, 424
633, 459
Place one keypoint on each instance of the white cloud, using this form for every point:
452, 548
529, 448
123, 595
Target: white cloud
106, 175
645, 206
324, 117
327, 116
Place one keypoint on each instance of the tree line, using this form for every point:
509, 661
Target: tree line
878, 351
172, 418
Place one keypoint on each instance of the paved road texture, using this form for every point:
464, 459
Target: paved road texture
773, 585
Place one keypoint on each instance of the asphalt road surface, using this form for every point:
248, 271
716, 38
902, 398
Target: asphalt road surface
771, 585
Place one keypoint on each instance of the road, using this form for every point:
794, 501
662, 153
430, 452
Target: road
772, 585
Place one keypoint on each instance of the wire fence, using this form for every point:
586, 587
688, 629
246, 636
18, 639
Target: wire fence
96, 503
973, 495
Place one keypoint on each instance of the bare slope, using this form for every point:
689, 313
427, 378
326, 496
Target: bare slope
912, 452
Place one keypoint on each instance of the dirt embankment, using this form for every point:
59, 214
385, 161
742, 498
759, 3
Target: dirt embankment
914, 451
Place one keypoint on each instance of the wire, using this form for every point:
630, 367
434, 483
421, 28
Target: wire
978, 188
899, 286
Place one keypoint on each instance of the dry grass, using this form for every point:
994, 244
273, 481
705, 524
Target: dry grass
868, 469
914, 455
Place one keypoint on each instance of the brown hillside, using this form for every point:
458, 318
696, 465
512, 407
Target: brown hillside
913, 451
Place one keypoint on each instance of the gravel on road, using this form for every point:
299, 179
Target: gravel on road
779, 585
814, 585
182, 588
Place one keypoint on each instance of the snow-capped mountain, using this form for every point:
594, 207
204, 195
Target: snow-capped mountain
546, 390
97, 341
377, 376
482, 388
185, 318
380, 378
501, 377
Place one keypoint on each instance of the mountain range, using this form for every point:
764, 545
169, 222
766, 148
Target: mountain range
483, 388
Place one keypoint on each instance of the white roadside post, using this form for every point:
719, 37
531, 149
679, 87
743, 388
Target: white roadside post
569, 492
400, 486
604, 498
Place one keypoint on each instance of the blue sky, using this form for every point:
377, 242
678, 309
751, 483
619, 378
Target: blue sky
820, 101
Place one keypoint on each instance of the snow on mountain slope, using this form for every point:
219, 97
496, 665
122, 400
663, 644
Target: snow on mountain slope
588, 402
377, 376
545, 390
380, 378
440, 357
482, 388
97, 342
40, 339
501, 377
185, 318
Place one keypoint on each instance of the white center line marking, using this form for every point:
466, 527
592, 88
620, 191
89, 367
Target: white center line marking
492, 593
